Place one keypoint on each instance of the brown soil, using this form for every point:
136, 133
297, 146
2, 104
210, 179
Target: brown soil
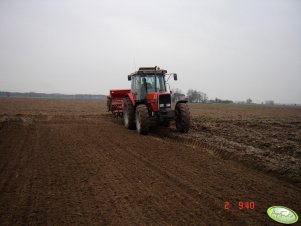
265, 138
70, 163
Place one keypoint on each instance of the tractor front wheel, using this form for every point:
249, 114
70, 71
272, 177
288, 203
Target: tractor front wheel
142, 119
182, 117
128, 114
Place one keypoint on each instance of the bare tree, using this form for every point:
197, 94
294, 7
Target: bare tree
249, 101
203, 97
195, 96
190, 95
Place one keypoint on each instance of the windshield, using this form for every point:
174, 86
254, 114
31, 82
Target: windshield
155, 83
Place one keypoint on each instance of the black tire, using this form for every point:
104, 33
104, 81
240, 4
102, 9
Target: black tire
165, 124
182, 117
128, 114
142, 119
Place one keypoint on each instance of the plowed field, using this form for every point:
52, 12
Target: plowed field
68, 162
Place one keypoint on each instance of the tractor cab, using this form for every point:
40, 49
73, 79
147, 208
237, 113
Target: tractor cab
148, 80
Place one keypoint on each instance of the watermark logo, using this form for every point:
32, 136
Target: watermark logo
282, 214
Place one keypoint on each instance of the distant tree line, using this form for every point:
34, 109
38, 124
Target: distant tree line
193, 96
269, 102
220, 101
51, 95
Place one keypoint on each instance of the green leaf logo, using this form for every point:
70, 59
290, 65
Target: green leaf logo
282, 214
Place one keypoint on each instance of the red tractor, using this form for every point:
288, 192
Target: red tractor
148, 102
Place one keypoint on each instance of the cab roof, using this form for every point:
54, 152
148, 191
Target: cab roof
149, 70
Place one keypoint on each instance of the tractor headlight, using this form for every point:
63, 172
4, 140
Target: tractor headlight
161, 105
167, 105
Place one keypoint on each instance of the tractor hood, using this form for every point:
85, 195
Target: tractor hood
158, 100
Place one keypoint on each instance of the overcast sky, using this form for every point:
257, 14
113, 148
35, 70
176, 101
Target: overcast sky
231, 49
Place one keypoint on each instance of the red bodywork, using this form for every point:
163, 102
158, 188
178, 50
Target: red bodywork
115, 100
152, 100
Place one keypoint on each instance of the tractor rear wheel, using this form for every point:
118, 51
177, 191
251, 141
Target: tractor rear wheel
166, 123
128, 114
142, 119
182, 117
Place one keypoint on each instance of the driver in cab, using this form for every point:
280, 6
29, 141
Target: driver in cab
144, 88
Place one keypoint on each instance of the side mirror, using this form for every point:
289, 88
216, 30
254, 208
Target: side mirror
129, 78
175, 76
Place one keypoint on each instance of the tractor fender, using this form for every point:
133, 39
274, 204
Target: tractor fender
131, 97
180, 101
